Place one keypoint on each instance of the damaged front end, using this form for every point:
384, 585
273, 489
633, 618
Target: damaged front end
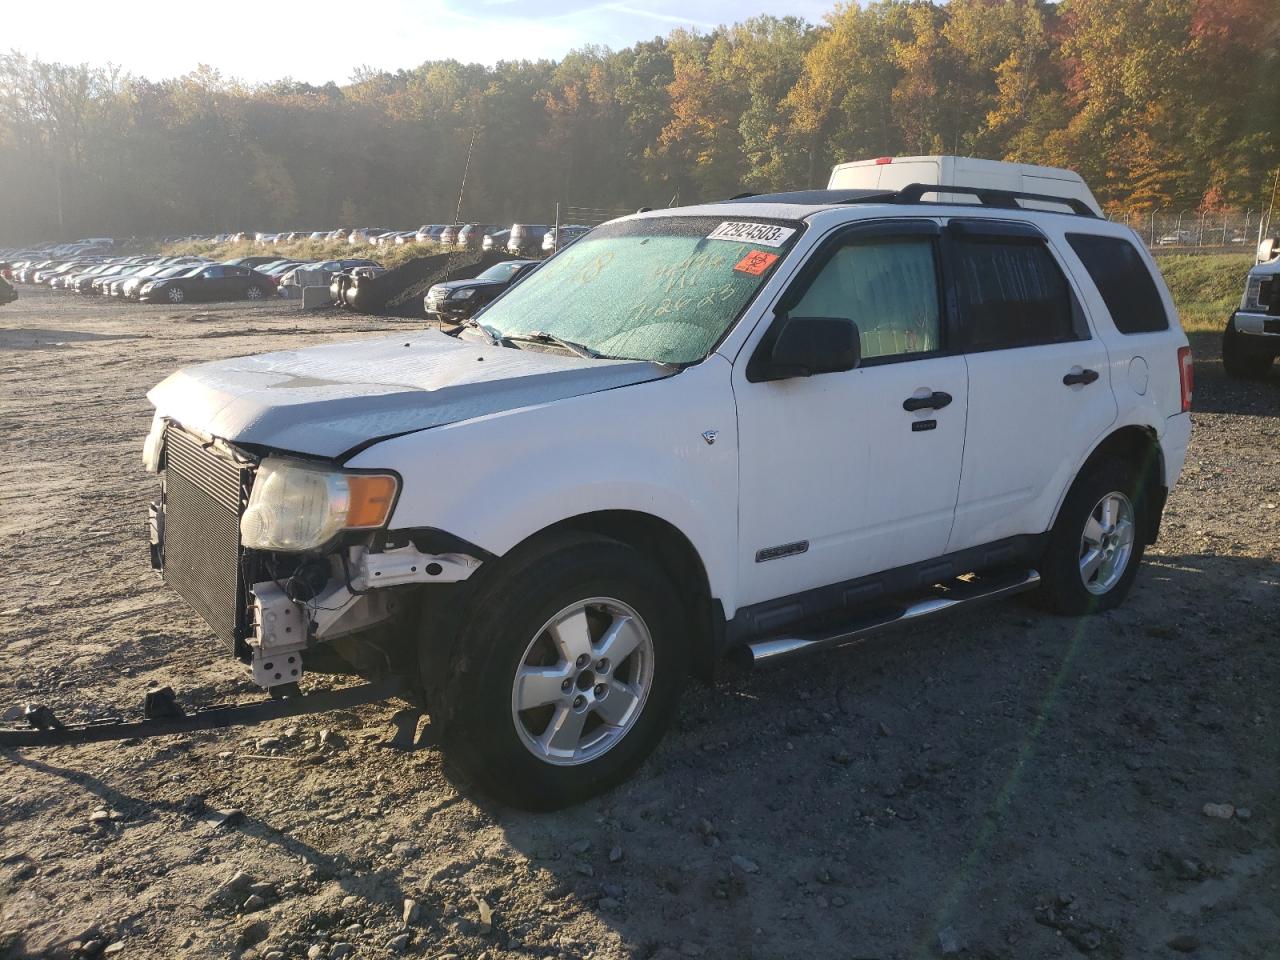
282, 555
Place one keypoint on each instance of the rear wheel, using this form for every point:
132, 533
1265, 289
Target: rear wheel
253, 293
1238, 361
567, 670
1096, 545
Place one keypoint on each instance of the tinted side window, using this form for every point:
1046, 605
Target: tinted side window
888, 287
1124, 281
1011, 293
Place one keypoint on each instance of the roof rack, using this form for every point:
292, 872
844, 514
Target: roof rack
914, 193
991, 197
814, 197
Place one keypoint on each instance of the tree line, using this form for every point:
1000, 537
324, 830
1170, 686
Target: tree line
1158, 103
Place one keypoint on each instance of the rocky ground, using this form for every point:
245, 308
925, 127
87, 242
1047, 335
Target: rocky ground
1002, 785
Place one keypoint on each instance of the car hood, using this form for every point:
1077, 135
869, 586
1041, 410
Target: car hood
324, 401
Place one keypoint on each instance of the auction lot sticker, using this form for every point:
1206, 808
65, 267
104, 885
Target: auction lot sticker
765, 234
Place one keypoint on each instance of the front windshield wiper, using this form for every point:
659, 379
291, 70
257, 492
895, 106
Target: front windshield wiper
495, 339
539, 336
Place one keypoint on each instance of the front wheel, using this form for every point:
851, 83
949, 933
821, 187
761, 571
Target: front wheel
1238, 361
566, 673
253, 293
1096, 544
177, 295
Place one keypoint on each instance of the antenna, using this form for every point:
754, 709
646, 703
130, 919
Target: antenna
457, 214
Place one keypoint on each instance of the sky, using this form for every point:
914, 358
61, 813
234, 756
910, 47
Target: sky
328, 39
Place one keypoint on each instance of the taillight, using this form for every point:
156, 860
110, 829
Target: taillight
1186, 376
880, 161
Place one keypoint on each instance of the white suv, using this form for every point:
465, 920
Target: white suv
757, 427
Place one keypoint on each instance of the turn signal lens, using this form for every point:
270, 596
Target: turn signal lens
371, 499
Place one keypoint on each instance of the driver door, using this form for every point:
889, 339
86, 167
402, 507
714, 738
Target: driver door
837, 479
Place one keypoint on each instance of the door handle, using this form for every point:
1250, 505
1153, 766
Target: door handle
935, 401
1084, 376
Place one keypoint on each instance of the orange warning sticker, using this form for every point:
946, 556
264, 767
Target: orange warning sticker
756, 262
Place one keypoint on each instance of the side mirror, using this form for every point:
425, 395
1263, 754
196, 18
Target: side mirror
810, 345
1267, 249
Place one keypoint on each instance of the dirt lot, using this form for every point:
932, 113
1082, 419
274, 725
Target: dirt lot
1005, 785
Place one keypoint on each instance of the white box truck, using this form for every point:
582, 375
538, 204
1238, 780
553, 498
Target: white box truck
894, 173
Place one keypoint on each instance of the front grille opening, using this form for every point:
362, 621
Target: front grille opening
204, 494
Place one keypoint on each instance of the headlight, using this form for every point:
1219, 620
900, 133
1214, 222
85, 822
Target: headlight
147, 286
466, 293
298, 506
435, 292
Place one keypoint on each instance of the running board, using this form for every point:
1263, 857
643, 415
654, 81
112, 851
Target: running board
942, 597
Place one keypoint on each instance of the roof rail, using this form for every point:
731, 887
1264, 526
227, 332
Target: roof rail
990, 197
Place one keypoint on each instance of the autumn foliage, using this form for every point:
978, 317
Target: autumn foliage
1158, 103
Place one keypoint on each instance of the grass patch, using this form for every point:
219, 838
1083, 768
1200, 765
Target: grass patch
1205, 288
308, 250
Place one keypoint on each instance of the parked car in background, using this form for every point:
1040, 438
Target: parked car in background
455, 300
251, 262
526, 238
472, 235
449, 235
129, 287
1179, 238
428, 232
365, 234
218, 281
560, 237
496, 240
1251, 341
276, 271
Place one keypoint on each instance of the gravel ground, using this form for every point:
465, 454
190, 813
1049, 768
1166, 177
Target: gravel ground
1002, 785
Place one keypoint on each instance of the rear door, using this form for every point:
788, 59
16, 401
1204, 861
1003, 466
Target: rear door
1040, 392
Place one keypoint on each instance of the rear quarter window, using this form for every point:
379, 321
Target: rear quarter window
1123, 280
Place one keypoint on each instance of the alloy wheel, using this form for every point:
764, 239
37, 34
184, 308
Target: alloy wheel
1107, 543
582, 682
176, 295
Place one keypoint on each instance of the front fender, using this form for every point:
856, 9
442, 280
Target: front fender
498, 480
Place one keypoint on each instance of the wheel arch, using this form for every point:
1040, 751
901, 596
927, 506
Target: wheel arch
674, 552
1138, 445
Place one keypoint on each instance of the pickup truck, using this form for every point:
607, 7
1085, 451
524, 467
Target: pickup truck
1251, 341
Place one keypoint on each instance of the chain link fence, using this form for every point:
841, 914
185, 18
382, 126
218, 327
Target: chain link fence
1198, 231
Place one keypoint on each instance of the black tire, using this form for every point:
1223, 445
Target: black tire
510, 604
1062, 583
1238, 361
254, 292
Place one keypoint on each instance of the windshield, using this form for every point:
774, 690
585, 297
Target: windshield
500, 271
663, 288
